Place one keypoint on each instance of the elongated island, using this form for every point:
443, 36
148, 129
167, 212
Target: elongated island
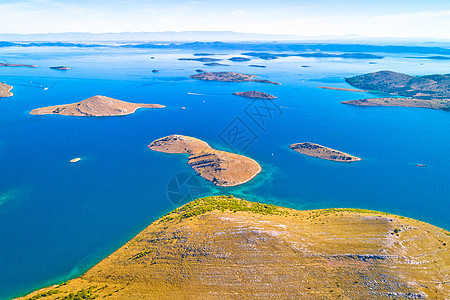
96, 106
229, 77
227, 248
255, 94
219, 167
5, 90
319, 151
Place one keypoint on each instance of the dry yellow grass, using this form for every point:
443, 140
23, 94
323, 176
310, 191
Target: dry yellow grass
223, 247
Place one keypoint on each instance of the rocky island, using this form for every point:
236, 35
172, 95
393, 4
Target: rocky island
60, 68
229, 77
5, 90
440, 104
219, 167
255, 94
97, 106
227, 248
319, 151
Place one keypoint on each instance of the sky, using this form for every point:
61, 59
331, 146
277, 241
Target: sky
367, 18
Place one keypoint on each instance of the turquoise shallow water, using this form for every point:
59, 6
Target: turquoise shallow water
58, 219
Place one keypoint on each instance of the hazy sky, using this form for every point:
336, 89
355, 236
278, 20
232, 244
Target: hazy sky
374, 18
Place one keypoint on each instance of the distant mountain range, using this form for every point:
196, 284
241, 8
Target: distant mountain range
307, 49
208, 36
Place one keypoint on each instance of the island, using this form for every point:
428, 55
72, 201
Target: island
430, 91
96, 106
439, 104
315, 54
60, 68
420, 87
214, 64
201, 59
5, 90
340, 89
17, 65
75, 160
224, 247
257, 66
219, 167
255, 94
229, 77
319, 151
239, 59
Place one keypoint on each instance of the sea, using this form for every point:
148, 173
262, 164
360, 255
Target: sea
58, 219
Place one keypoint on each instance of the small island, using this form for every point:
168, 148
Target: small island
60, 68
201, 59
316, 150
223, 247
97, 106
439, 104
239, 59
17, 65
256, 66
340, 89
255, 94
229, 77
5, 90
219, 167
215, 64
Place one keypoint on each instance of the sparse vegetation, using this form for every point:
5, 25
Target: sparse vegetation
227, 203
44, 294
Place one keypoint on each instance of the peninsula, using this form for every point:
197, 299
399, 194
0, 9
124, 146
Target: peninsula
229, 77
440, 104
97, 106
5, 90
340, 89
219, 167
227, 248
316, 150
255, 94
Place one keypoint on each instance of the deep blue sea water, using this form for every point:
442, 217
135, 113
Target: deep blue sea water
57, 219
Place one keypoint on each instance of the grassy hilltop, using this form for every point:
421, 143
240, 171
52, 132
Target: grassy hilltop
224, 247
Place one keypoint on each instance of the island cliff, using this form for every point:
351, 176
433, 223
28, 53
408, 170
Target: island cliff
219, 167
316, 150
97, 106
227, 248
5, 90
